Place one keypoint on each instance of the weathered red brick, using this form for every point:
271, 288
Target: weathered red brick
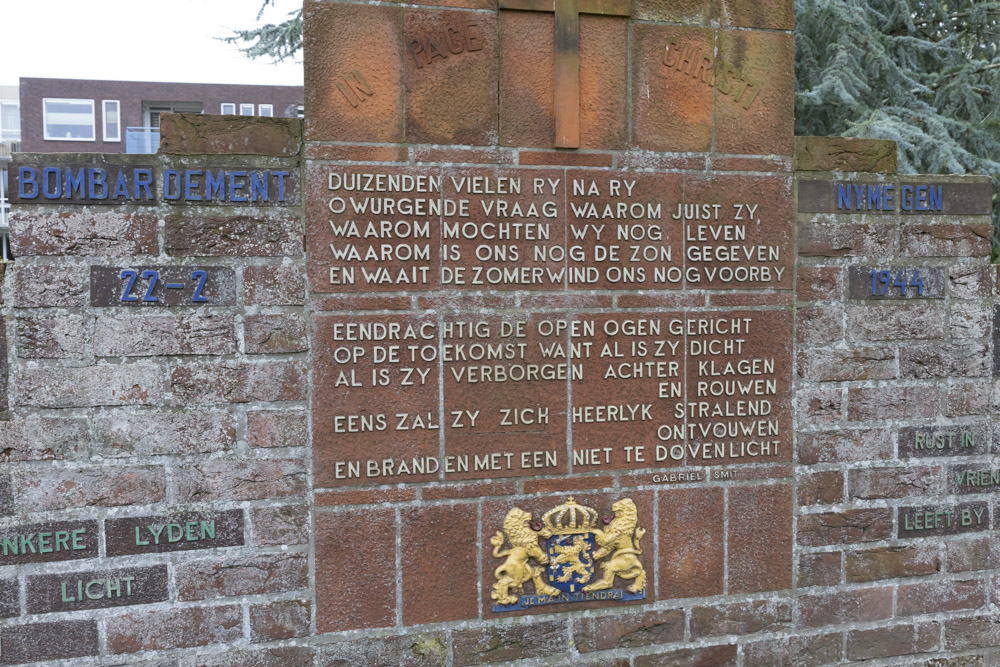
48, 641
836, 365
162, 629
923, 361
741, 618
160, 335
61, 336
426, 649
501, 643
750, 299
573, 159
945, 240
845, 445
82, 231
189, 234
44, 438
846, 240
274, 285
846, 527
10, 605
819, 324
239, 382
971, 632
90, 386
886, 642
896, 482
934, 597
819, 407
854, 606
45, 489
845, 154
971, 282
283, 333
277, 428
819, 283
892, 562
453, 154
980, 552
279, 656
892, 323
350, 303
869, 403
819, 569
119, 433
628, 628
280, 525
795, 651
284, 619
48, 285
820, 488
707, 656
210, 578
247, 479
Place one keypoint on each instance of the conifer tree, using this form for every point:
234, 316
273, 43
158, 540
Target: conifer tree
276, 41
924, 73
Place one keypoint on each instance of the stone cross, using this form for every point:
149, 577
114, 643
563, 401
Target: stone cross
567, 45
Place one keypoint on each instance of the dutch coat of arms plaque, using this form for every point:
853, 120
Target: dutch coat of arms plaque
565, 569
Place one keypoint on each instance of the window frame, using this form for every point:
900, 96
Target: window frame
231, 105
104, 119
270, 110
244, 105
14, 103
45, 120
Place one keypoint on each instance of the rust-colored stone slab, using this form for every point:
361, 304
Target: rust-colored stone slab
373, 229
527, 80
375, 412
208, 134
692, 542
739, 387
353, 72
513, 239
355, 588
624, 406
620, 230
505, 390
450, 72
672, 94
738, 231
753, 113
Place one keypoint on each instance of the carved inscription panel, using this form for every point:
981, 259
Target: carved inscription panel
414, 397
385, 229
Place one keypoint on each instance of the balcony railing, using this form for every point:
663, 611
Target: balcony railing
9, 147
142, 139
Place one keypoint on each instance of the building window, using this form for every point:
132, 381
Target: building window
112, 121
228, 108
10, 120
69, 120
265, 110
246, 109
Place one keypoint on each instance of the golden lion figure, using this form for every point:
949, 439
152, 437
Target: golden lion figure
576, 557
516, 570
621, 540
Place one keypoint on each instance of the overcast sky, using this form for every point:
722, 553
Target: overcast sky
136, 40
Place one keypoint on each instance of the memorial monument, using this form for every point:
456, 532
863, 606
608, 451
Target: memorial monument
540, 338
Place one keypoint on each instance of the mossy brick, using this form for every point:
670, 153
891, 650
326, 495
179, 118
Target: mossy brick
877, 156
206, 134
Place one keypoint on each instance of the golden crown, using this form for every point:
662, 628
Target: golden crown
570, 517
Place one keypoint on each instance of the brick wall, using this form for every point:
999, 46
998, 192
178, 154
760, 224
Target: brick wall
171, 508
